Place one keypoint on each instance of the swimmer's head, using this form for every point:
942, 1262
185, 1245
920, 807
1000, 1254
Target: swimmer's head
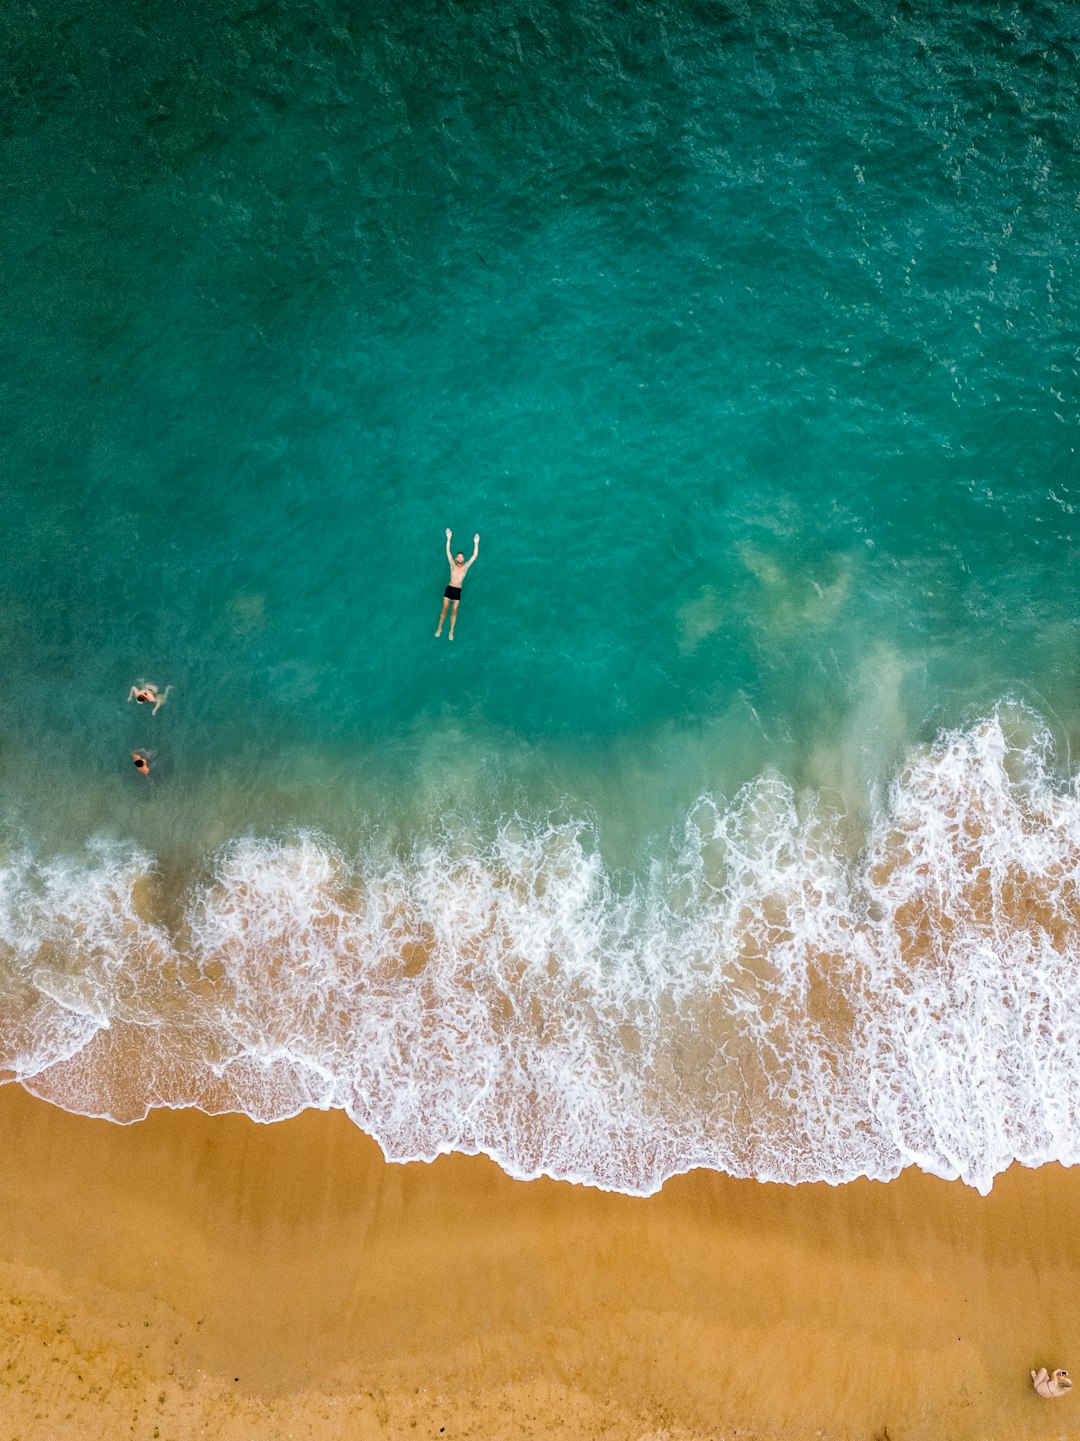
460, 557
140, 761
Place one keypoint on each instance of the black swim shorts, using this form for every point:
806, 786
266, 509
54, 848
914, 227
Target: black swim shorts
452, 592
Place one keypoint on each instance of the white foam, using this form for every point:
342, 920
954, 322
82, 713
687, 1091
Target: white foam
764, 1001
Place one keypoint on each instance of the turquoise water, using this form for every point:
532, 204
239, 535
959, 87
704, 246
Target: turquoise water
748, 340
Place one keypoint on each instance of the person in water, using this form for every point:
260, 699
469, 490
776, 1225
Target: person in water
1051, 1384
146, 693
142, 765
458, 567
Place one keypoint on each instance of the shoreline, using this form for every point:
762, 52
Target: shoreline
760, 1003
191, 1271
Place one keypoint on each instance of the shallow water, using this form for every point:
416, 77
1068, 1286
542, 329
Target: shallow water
748, 341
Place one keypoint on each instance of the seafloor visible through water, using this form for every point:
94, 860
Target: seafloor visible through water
737, 827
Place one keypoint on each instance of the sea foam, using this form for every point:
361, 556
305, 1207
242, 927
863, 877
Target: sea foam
768, 999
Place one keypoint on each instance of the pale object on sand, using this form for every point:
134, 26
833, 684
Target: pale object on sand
1051, 1384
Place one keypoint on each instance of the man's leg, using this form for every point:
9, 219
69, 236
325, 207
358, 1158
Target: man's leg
453, 619
442, 617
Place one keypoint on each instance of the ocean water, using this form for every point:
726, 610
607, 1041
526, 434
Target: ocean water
739, 825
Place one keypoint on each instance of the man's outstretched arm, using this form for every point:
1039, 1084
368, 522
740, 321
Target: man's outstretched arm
475, 551
449, 557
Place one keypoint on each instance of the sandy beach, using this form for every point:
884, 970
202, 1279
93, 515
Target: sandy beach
191, 1276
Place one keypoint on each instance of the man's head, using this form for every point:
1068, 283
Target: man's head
459, 559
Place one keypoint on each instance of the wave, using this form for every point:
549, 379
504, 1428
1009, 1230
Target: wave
767, 1000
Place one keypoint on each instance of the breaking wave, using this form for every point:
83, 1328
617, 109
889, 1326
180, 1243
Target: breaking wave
767, 1000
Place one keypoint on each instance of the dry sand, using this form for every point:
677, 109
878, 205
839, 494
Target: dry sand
191, 1276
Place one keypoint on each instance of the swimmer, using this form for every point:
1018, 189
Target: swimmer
1052, 1384
142, 764
146, 693
458, 566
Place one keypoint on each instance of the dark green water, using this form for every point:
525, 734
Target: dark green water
747, 338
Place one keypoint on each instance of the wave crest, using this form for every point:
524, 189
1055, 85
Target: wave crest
767, 1001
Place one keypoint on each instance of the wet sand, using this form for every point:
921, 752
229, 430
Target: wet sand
192, 1276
